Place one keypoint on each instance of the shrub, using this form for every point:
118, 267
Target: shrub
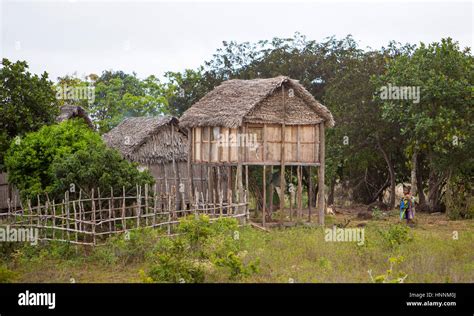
390, 276
7, 275
458, 198
396, 235
56, 156
235, 266
174, 264
134, 246
198, 228
182, 259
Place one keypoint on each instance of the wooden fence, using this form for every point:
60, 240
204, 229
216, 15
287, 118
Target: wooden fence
90, 218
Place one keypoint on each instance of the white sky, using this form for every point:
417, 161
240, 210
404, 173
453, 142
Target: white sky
151, 37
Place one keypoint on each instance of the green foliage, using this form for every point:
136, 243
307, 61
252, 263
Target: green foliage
198, 228
439, 128
98, 166
65, 154
130, 247
26, 103
176, 265
458, 198
7, 275
396, 235
377, 213
29, 162
235, 265
202, 242
119, 95
390, 276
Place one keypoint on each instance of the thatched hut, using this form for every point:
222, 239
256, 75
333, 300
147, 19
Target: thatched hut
157, 144
68, 112
268, 122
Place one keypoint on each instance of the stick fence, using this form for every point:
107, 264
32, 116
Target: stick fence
90, 219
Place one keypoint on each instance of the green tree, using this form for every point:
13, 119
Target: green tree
27, 102
56, 156
440, 127
119, 95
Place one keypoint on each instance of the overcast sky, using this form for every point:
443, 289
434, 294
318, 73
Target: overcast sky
63, 37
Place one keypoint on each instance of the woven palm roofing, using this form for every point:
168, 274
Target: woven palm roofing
149, 140
68, 112
229, 103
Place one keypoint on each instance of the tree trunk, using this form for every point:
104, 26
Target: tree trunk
331, 191
419, 184
434, 191
391, 172
413, 173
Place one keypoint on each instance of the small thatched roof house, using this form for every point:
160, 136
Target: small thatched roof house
268, 122
149, 140
71, 111
157, 144
258, 108
235, 102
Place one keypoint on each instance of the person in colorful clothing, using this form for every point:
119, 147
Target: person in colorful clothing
407, 205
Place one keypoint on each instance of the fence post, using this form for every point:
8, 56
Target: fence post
124, 221
93, 218
155, 200
111, 206
139, 202
75, 219
66, 198
169, 212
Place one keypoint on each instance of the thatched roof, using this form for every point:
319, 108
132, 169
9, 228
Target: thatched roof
71, 111
230, 103
149, 140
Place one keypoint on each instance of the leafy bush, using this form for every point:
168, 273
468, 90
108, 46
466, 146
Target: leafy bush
390, 276
133, 246
174, 264
57, 156
7, 275
27, 102
235, 265
458, 198
396, 235
198, 228
201, 242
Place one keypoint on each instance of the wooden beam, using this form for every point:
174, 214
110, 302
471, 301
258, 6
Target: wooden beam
321, 171
299, 192
282, 153
264, 195
310, 194
190, 166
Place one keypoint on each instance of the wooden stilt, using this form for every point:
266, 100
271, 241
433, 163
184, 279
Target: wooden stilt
310, 193
321, 170
264, 195
299, 196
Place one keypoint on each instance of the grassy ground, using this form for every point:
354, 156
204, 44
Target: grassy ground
429, 252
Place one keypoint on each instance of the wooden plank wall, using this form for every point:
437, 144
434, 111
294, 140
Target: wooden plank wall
7, 192
301, 144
